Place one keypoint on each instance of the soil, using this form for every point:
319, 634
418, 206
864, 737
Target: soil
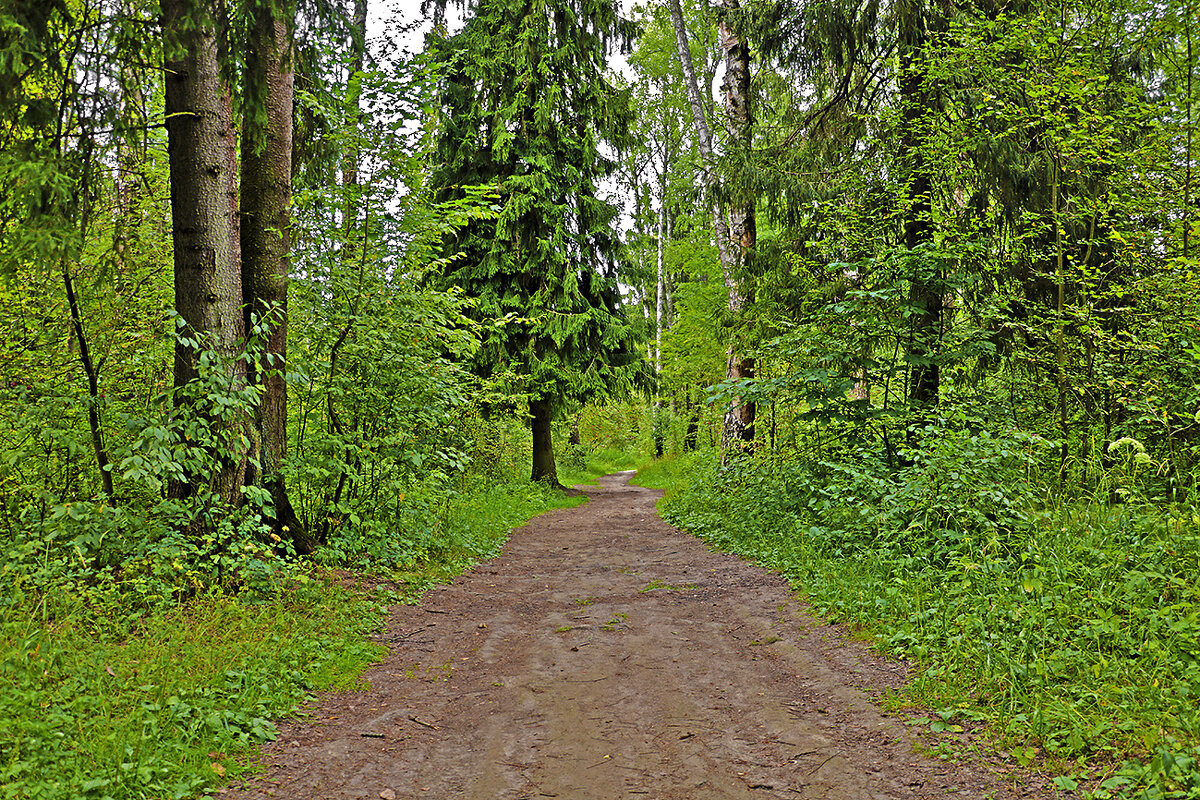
606, 654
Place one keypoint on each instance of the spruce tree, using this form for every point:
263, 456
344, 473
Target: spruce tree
526, 106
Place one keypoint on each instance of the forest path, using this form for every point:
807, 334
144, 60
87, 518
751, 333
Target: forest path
607, 655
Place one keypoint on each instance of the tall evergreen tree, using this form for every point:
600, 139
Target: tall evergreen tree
265, 194
526, 106
202, 151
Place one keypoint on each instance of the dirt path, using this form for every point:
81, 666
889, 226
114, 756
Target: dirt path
608, 655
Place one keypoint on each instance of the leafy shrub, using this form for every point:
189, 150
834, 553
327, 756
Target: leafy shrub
962, 489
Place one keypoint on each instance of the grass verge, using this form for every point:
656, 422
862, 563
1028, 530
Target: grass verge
1075, 636
171, 704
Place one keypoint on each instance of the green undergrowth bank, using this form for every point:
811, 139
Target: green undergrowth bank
1073, 631
106, 695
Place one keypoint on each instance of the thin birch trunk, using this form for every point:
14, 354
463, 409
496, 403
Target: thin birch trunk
739, 123
739, 418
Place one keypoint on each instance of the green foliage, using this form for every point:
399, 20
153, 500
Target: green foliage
443, 520
1071, 628
168, 704
526, 108
617, 427
382, 405
145, 547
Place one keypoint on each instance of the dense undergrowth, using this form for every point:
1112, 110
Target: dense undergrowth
168, 703
1071, 627
115, 685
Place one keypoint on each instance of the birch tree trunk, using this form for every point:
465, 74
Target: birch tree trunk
732, 241
743, 230
703, 141
660, 284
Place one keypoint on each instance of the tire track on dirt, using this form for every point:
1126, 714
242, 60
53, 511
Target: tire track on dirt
606, 655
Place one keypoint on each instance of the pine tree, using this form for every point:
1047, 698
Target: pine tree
526, 106
202, 152
265, 195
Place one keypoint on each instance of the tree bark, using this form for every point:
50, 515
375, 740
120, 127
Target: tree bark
201, 150
703, 140
544, 469
743, 231
739, 418
925, 294
266, 193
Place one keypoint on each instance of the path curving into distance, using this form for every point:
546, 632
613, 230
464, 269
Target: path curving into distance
607, 655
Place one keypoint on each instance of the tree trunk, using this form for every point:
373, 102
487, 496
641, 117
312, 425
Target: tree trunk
358, 29
93, 379
1191, 131
660, 284
265, 203
925, 293
743, 230
703, 140
692, 435
202, 157
130, 161
739, 418
544, 469
1059, 345
659, 308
